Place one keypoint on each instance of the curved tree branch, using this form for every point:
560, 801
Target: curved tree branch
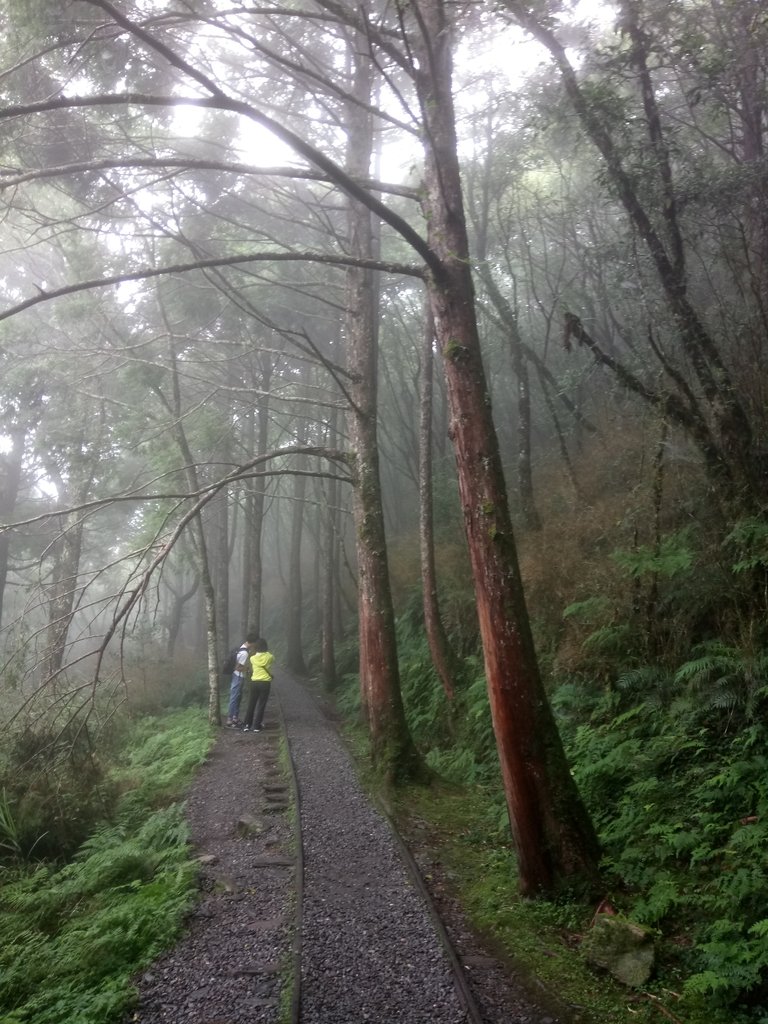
219, 99
216, 261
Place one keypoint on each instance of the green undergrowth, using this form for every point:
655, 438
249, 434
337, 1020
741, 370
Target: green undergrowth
73, 934
679, 792
465, 828
538, 938
671, 761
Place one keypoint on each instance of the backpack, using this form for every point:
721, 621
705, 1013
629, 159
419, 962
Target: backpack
230, 662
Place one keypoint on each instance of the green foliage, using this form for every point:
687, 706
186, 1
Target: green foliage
72, 937
680, 797
55, 789
749, 540
727, 678
455, 737
669, 754
609, 640
590, 610
348, 697
10, 842
162, 758
652, 683
673, 555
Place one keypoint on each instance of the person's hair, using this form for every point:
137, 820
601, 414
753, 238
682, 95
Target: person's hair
254, 638
260, 644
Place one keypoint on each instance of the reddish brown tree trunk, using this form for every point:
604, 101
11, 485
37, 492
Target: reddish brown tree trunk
553, 835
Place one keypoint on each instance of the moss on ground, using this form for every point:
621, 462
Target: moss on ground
541, 938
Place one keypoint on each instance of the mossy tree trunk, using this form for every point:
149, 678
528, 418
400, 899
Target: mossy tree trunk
329, 571
11, 463
392, 746
443, 657
199, 545
294, 658
256, 502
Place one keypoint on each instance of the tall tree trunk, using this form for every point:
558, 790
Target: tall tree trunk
199, 541
74, 491
10, 482
63, 590
553, 836
294, 656
443, 657
179, 600
258, 494
524, 468
249, 493
392, 747
329, 576
219, 531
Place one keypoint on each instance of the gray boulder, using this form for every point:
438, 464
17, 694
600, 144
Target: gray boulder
622, 948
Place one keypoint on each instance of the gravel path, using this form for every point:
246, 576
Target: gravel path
231, 962
369, 949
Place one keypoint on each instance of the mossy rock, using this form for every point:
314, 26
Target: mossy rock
621, 947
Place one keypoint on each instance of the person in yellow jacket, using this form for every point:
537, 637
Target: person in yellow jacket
259, 686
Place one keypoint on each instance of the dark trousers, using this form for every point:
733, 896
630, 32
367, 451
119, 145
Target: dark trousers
258, 695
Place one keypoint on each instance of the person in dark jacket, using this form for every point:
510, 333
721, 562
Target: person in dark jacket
241, 672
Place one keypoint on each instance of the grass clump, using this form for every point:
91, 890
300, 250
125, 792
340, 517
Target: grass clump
72, 936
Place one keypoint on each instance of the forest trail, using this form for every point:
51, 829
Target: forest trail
368, 946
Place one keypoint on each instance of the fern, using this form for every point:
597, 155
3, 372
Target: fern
72, 937
673, 556
9, 831
458, 766
608, 639
726, 678
643, 679
750, 538
663, 896
591, 609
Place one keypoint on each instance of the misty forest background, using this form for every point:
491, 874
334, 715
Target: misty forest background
429, 339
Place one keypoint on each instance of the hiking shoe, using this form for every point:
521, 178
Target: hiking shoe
257, 728
246, 729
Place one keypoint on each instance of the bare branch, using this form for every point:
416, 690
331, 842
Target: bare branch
217, 261
12, 178
246, 471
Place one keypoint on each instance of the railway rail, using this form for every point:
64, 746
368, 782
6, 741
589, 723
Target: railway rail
472, 1011
312, 909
